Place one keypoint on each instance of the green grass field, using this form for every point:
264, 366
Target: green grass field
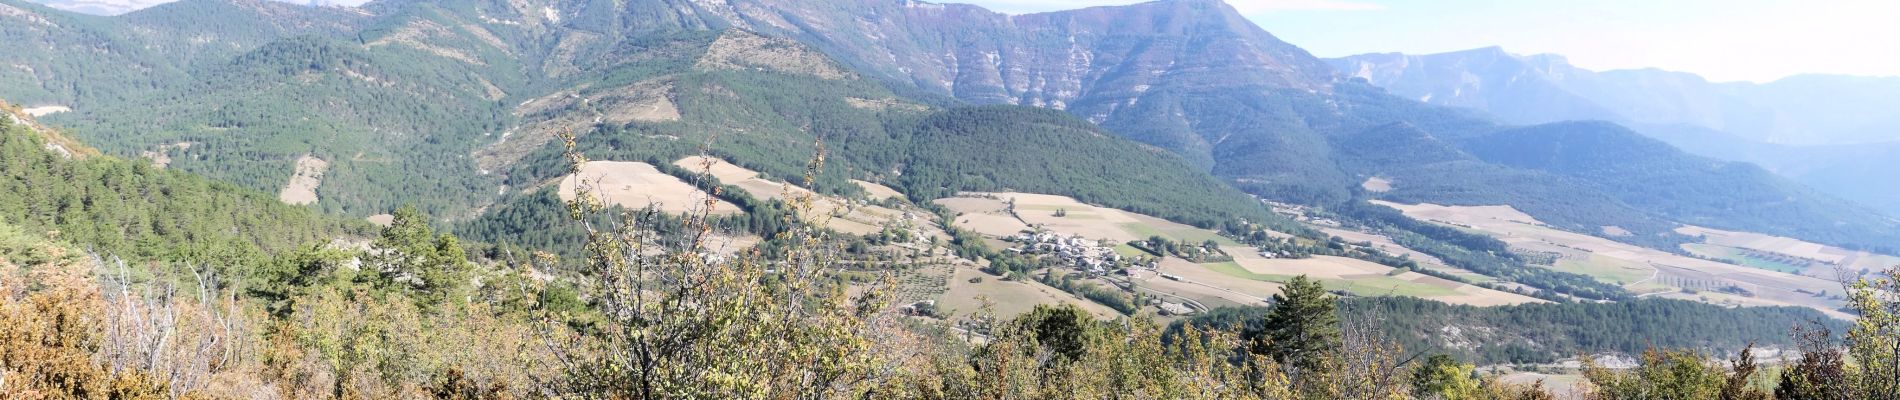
1386, 286
1130, 251
1371, 286
1184, 235
1742, 257
1606, 269
1233, 269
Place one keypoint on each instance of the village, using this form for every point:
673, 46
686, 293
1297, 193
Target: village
1096, 257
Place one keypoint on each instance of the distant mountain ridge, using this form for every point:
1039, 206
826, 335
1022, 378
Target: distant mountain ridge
1821, 130
1797, 110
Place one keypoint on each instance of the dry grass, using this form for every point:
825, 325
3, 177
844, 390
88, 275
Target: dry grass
1850, 259
637, 184
840, 215
1245, 280
876, 191
739, 50
1620, 263
1009, 298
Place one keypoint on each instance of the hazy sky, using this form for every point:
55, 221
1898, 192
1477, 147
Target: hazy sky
1723, 40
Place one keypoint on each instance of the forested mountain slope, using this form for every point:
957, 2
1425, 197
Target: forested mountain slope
1649, 175
462, 98
128, 209
1289, 131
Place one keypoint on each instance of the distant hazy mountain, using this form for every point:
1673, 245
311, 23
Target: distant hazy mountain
1823, 130
1798, 110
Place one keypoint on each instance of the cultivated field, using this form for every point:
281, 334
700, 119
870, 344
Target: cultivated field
876, 191
1245, 280
1624, 264
1008, 298
637, 184
989, 217
1829, 257
838, 214
1033, 210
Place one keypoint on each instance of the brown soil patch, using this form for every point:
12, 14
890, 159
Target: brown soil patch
883, 104
1009, 298
876, 191
738, 50
304, 179
421, 35
574, 111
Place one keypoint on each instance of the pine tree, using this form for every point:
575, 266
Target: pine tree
1302, 325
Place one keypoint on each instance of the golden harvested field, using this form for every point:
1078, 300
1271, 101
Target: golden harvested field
1616, 262
1008, 298
1079, 218
838, 214
1366, 278
1620, 271
1210, 296
876, 191
984, 216
727, 173
1248, 278
637, 184
1852, 260
1236, 289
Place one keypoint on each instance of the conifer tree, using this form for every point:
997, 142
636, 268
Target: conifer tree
1302, 325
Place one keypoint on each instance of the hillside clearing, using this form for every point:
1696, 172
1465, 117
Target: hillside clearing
42, 111
1376, 185
304, 179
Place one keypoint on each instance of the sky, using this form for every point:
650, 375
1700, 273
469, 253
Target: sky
1722, 40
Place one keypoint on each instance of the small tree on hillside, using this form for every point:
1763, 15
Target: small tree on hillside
1874, 339
679, 323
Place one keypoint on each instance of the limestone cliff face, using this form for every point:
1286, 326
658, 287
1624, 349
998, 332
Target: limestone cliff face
1055, 60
